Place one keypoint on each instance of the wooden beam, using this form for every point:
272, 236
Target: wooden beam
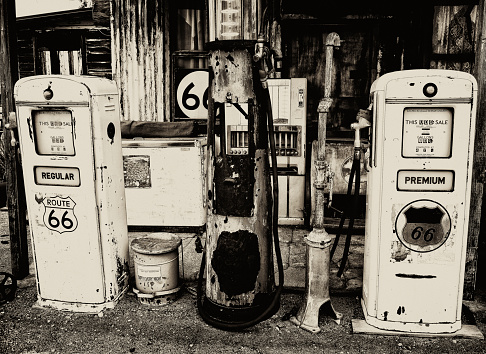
15, 189
479, 163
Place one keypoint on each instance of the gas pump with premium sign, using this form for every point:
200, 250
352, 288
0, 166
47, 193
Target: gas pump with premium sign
418, 194
72, 164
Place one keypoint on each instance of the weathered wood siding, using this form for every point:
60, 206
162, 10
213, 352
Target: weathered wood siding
141, 58
98, 53
304, 55
26, 54
453, 38
68, 43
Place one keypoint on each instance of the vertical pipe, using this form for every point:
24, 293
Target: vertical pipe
318, 241
15, 186
332, 41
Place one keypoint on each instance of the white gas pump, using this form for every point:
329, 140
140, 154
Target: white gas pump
72, 164
418, 194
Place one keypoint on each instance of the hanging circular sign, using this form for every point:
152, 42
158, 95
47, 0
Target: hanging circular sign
192, 94
423, 225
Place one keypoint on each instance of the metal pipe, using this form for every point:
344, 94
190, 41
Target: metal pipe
323, 109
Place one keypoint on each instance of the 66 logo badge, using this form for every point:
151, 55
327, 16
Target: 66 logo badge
423, 225
59, 214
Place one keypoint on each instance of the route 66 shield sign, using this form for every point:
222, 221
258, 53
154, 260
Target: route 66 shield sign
423, 225
59, 214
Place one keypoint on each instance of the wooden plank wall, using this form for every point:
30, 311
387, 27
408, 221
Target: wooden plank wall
453, 47
453, 38
141, 58
96, 45
98, 53
304, 56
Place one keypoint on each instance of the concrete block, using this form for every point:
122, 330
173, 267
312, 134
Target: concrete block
297, 255
294, 277
285, 234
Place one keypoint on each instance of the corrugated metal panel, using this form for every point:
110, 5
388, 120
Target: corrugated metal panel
141, 58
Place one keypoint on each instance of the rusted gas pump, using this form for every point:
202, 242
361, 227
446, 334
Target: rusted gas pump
240, 288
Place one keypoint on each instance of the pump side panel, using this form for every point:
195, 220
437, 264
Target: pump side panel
110, 193
374, 191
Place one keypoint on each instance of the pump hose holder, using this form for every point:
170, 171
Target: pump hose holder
354, 177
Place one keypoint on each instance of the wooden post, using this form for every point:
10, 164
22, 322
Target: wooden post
479, 164
15, 188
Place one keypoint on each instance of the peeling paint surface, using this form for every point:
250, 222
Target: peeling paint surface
236, 261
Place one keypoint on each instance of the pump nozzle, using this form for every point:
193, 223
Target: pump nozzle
363, 120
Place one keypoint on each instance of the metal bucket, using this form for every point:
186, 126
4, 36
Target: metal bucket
156, 260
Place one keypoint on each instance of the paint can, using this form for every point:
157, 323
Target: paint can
156, 261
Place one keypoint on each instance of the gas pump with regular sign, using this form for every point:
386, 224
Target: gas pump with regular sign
418, 195
72, 164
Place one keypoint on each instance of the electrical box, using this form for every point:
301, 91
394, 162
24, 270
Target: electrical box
418, 194
289, 109
165, 181
70, 144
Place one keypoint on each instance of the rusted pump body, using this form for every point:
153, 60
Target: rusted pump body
239, 263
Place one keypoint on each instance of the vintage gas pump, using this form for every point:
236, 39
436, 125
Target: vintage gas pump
72, 163
239, 286
418, 194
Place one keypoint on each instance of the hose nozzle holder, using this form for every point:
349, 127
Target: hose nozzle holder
363, 119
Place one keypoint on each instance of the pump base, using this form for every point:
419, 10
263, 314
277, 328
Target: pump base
240, 314
317, 283
308, 317
410, 327
80, 307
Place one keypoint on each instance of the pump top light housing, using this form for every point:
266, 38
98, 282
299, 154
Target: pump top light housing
233, 19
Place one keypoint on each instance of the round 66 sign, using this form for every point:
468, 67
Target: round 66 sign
59, 214
192, 93
423, 225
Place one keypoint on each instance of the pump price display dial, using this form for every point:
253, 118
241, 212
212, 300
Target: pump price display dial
423, 225
53, 131
427, 132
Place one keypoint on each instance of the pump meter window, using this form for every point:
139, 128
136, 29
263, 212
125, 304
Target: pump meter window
53, 132
427, 132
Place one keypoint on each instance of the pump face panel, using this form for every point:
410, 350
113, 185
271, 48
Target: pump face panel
418, 199
72, 165
289, 107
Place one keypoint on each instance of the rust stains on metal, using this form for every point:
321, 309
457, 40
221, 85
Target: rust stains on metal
399, 252
233, 179
236, 261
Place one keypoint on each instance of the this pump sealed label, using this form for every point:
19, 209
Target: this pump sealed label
427, 132
59, 214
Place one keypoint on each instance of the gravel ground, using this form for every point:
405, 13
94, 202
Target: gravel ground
132, 327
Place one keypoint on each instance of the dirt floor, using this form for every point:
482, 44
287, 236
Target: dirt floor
132, 327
